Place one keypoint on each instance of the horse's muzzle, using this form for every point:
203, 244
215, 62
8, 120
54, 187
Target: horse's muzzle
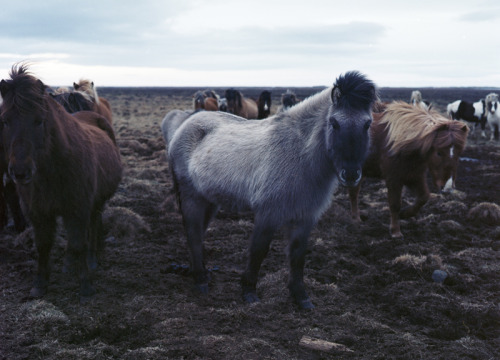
350, 177
22, 175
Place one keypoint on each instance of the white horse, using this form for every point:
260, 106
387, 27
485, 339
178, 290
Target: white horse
493, 115
416, 100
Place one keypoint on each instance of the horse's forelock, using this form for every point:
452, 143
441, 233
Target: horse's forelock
353, 90
412, 128
25, 92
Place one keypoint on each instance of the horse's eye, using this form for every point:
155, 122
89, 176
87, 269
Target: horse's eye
367, 125
335, 124
38, 122
440, 153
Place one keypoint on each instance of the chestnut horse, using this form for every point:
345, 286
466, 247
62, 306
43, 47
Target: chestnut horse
100, 104
205, 100
62, 166
407, 141
239, 105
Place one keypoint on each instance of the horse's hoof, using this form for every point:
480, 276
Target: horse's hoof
202, 288
251, 298
306, 304
397, 236
85, 299
38, 292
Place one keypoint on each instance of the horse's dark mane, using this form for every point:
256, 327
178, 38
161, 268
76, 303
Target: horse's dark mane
353, 90
25, 93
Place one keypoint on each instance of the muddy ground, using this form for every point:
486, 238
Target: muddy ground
373, 295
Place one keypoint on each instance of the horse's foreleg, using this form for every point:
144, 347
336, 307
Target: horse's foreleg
15, 208
77, 229
259, 246
394, 196
3, 207
44, 229
296, 252
354, 198
422, 195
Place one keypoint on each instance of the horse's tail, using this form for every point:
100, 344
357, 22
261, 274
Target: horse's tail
175, 189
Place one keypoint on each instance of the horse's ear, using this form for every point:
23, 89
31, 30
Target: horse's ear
76, 86
4, 87
336, 94
42, 86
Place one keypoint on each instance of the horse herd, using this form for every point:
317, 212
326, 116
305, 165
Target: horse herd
60, 157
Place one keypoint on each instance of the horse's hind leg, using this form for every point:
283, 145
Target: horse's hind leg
196, 215
44, 228
96, 241
259, 246
296, 252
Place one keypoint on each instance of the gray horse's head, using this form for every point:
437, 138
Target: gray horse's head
348, 125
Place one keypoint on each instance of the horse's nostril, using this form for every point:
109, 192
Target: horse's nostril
342, 175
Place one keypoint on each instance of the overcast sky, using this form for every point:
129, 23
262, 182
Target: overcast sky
253, 43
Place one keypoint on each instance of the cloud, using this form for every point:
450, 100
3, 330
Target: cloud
480, 16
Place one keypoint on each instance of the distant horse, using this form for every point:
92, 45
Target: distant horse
206, 100
416, 100
264, 104
493, 115
101, 105
72, 101
198, 100
211, 104
407, 141
223, 104
288, 99
284, 171
62, 166
239, 105
474, 113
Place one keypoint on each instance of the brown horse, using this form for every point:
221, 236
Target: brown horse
211, 104
95, 119
101, 105
237, 104
406, 142
62, 166
205, 100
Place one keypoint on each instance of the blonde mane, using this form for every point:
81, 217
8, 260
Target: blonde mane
87, 87
412, 128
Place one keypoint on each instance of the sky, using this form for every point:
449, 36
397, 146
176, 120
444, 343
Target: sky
253, 43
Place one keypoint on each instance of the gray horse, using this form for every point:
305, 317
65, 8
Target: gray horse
284, 168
